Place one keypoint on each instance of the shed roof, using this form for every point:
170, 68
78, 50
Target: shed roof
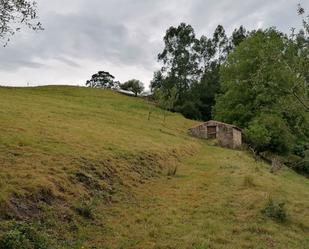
217, 122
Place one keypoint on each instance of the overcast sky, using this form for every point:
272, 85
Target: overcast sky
123, 37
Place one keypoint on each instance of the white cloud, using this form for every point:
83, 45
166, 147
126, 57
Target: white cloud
122, 36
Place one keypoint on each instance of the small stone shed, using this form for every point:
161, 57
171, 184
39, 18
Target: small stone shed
227, 135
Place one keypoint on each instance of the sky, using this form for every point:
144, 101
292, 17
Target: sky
123, 37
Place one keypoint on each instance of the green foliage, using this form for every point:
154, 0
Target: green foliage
257, 136
300, 149
23, 237
166, 98
189, 110
102, 80
275, 210
239, 35
269, 133
134, 86
180, 58
191, 66
256, 91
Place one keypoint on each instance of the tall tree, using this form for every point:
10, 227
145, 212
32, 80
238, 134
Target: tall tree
238, 36
180, 58
192, 66
17, 13
214, 52
221, 43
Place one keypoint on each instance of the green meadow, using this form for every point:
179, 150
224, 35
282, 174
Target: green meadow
86, 168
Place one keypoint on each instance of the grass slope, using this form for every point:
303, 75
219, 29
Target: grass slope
87, 169
212, 204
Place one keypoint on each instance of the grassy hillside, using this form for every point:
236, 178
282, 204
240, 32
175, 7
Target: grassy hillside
84, 168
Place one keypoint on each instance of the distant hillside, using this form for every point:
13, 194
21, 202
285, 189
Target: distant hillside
85, 168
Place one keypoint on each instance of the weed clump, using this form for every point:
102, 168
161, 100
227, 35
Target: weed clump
275, 210
23, 237
172, 170
85, 211
249, 182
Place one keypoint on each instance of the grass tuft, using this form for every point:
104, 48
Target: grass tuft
275, 210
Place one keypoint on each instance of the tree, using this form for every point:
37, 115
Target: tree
301, 42
213, 52
17, 13
260, 80
166, 99
205, 92
238, 36
134, 86
301, 11
158, 81
269, 132
180, 59
192, 66
102, 79
221, 43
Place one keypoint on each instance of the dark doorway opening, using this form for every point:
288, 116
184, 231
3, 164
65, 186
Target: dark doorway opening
211, 132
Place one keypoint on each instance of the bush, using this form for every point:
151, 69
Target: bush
85, 211
257, 136
300, 149
189, 110
23, 237
275, 210
269, 132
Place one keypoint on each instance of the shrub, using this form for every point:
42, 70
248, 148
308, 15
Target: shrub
85, 211
275, 210
189, 110
23, 237
257, 136
300, 149
269, 133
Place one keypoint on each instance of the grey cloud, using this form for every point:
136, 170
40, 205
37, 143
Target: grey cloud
123, 34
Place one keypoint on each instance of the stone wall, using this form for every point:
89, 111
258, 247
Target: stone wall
227, 135
237, 138
199, 131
